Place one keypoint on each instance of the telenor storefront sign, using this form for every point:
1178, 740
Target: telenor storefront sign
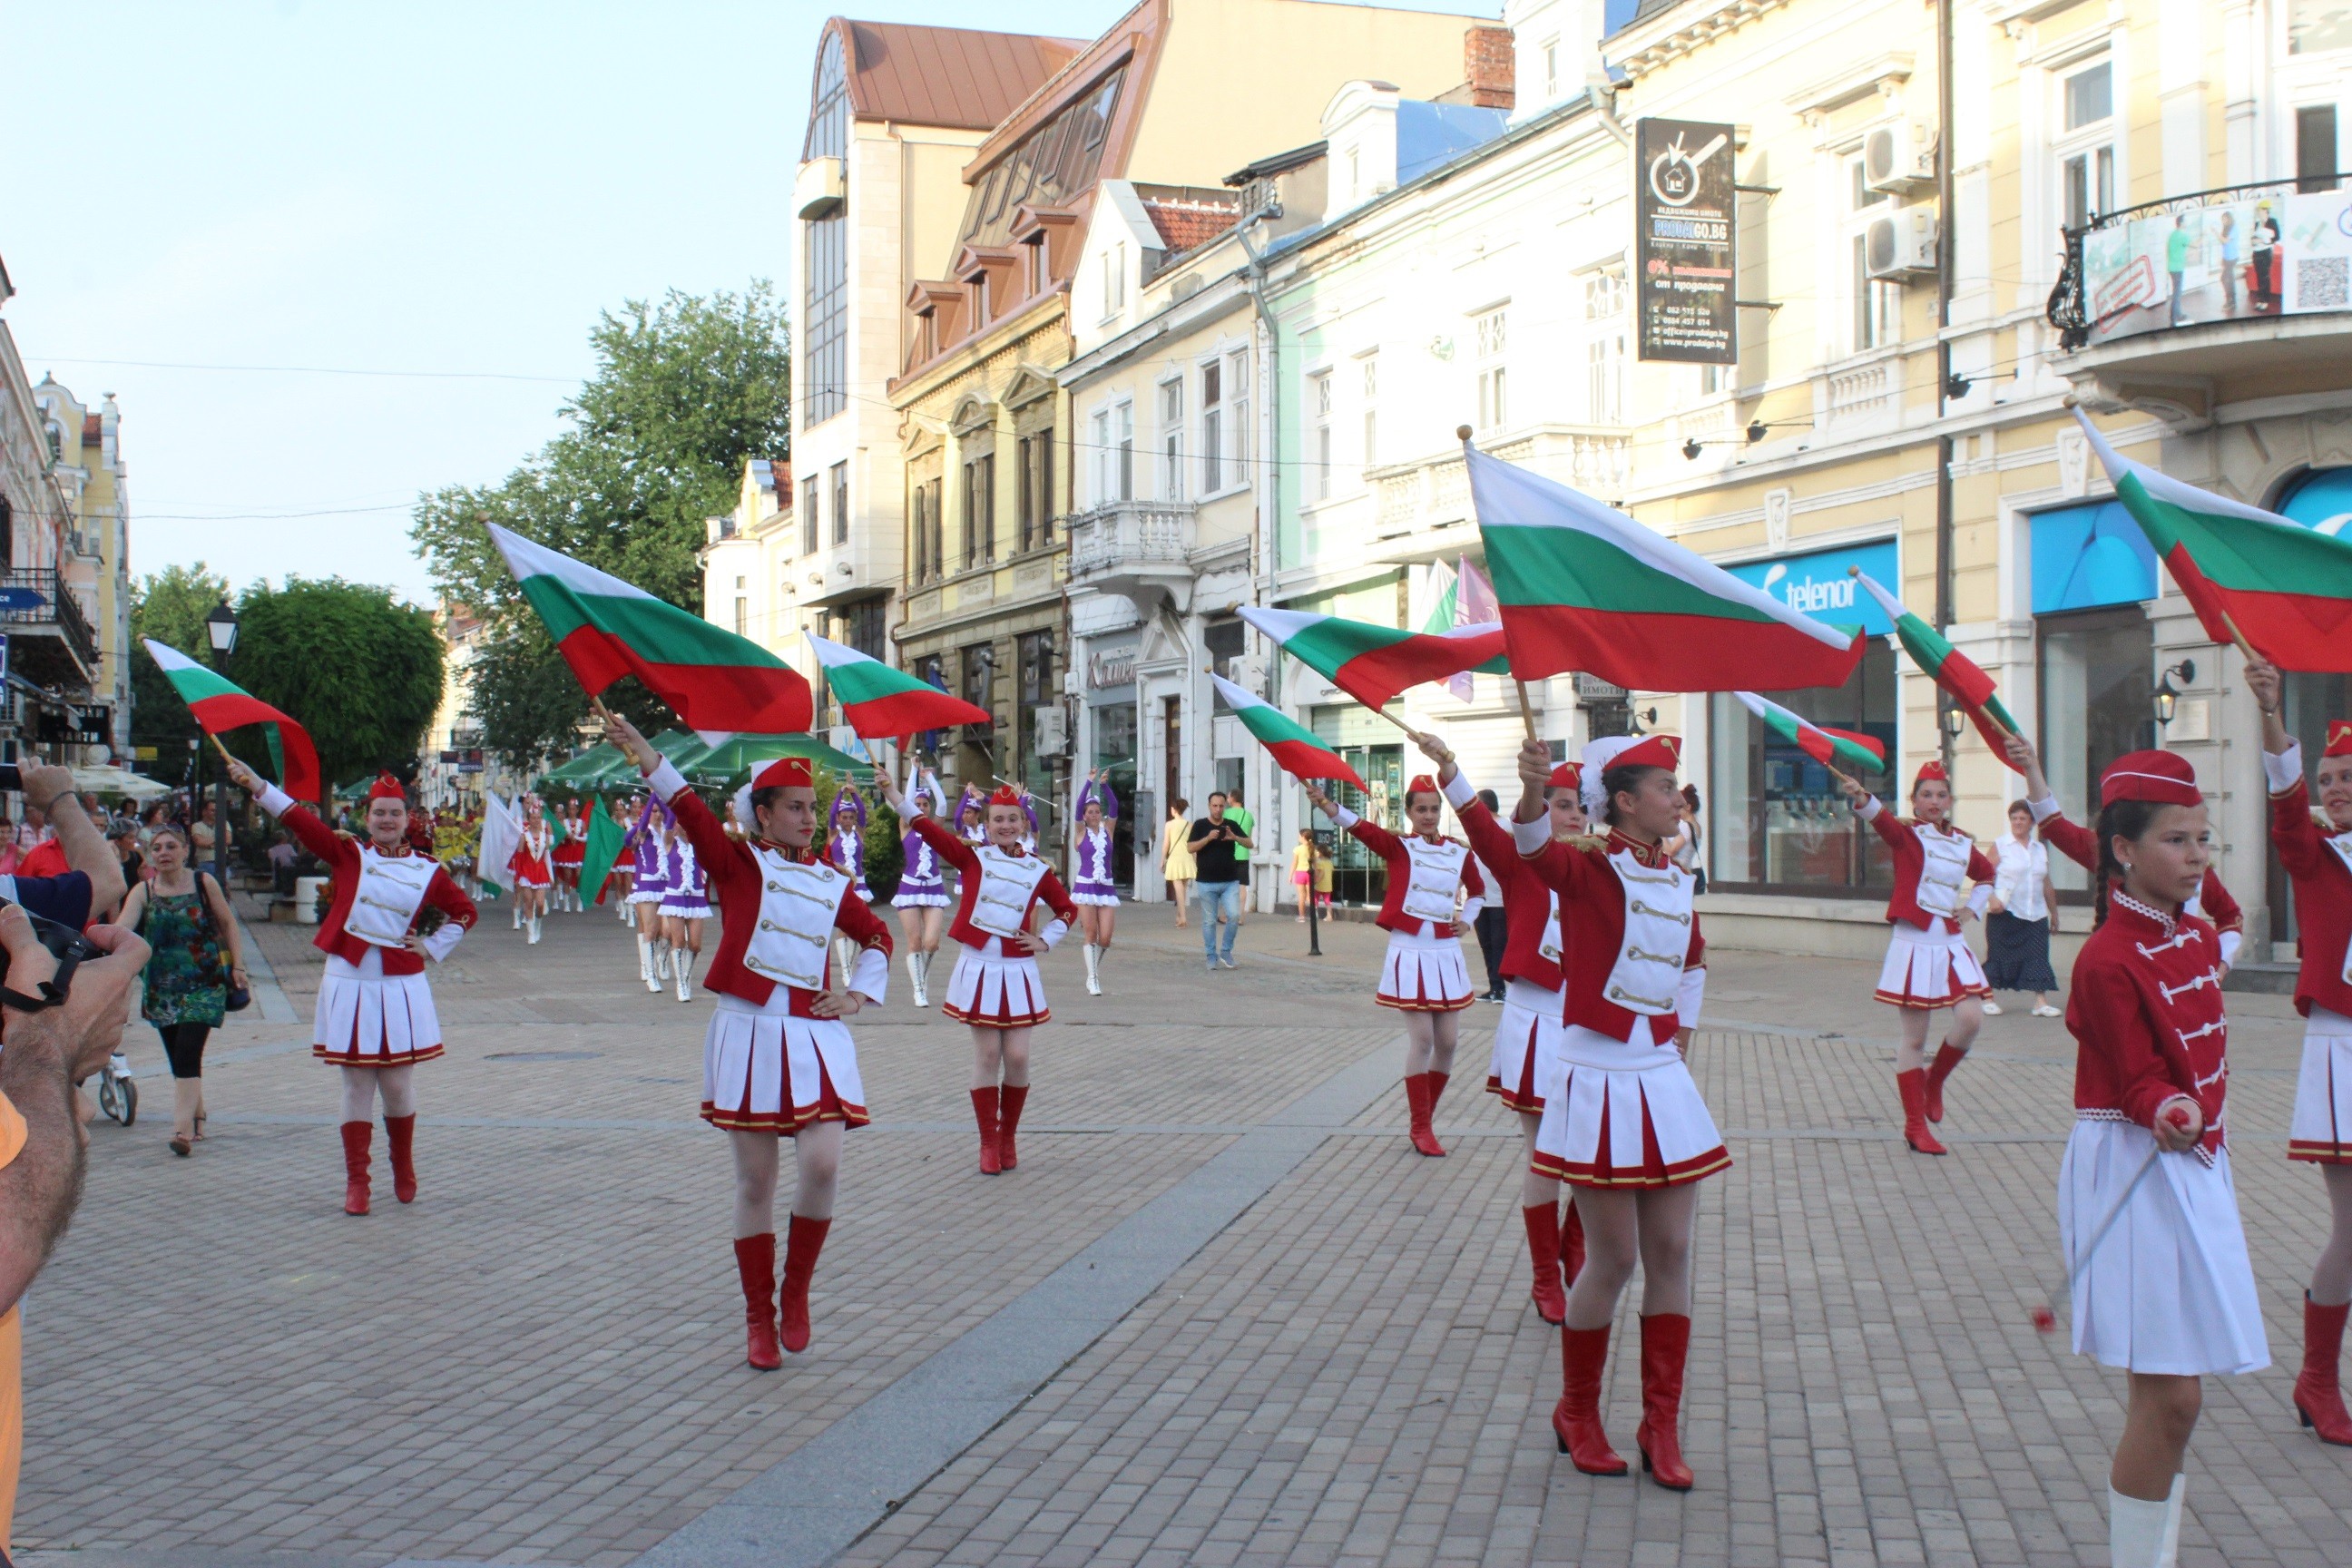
1816, 583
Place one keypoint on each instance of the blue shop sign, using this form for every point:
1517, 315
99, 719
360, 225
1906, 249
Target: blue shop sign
1818, 584
2321, 502
2086, 556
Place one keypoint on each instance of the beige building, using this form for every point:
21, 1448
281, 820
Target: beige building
96, 562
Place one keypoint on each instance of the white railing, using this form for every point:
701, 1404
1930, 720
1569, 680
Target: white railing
1123, 536
1436, 494
1863, 394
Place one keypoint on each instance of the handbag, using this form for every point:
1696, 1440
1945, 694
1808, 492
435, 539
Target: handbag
238, 999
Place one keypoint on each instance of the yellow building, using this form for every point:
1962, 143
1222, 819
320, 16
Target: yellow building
91, 593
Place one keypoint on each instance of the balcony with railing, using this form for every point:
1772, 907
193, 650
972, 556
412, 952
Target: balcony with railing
2244, 290
50, 642
1133, 546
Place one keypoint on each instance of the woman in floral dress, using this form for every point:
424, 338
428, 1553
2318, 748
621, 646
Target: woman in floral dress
191, 931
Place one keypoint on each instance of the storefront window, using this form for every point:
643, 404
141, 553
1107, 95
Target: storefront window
1039, 688
1779, 822
1113, 754
2099, 694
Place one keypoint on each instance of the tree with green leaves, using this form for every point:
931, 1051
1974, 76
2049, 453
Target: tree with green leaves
684, 393
358, 669
169, 605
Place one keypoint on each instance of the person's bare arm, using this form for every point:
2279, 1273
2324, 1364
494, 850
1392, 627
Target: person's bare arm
51, 788
42, 1056
225, 921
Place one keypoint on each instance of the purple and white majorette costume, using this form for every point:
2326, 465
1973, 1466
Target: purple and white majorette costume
645, 846
1091, 880
688, 897
845, 845
923, 884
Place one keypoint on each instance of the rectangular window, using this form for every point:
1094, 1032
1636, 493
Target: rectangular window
1874, 308
1372, 409
2315, 148
2089, 184
808, 515
841, 503
1098, 457
862, 627
1774, 811
1037, 489
979, 663
2086, 144
918, 512
1035, 684
1212, 410
938, 489
2090, 95
1171, 440
1237, 419
1318, 398
980, 511
2098, 695
1114, 279
742, 617
1493, 387
1551, 69
1123, 417
1604, 346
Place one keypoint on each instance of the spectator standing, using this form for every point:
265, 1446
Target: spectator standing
123, 834
190, 930
1176, 856
1246, 823
1213, 841
2022, 914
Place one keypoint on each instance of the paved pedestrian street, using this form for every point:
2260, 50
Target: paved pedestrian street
1221, 1314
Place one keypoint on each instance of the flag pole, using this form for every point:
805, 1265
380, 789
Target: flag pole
2239, 637
1527, 713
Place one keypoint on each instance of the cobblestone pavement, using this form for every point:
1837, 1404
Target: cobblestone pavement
540, 1360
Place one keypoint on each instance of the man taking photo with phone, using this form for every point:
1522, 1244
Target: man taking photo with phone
1215, 840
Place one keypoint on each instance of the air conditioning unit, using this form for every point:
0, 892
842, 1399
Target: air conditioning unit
1895, 158
1901, 245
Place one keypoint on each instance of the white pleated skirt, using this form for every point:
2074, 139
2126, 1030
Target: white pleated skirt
771, 1072
1100, 900
686, 909
647, 895
2321, 1132
935, 899
1526, 1046
995, 990
1424, 973
2170, 1289
370, 1019
1929, 968
1623, 1115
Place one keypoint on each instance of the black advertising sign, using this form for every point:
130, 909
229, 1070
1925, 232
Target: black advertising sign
1686, 232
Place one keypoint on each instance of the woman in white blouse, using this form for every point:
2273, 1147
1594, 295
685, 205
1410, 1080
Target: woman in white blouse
2024, 912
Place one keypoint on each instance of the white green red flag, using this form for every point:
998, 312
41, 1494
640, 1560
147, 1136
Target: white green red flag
220, 706
1302, 756
1949, 668
2285, 588
1841, 748
717, 683
880, 702
1372, 664
1581, 586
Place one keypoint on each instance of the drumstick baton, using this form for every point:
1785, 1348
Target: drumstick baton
2046, 1319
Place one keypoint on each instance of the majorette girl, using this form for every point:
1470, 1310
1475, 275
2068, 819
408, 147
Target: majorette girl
845, 841
1623, 1123
2147, 1209
376, 1019
921, 899
570, 856
2317, 855
648, 851
1526, 1059
684, 906
532, 874
1928, 965
1424, 975
777, 1060
1094, 885
995, 986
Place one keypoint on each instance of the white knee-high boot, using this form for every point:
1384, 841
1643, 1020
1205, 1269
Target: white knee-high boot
518, 912
914, 976
2168, 1554
1094, 970
681, 962
534, 929
661, 965
644, 957
2135, 1529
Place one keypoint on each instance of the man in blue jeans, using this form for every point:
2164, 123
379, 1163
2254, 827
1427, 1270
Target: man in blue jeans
1213, 839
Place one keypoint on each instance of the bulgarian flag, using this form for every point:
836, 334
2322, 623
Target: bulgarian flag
1302, 756
604, 840
1583, 586
717, 682
1841, 749
880, 702
2251, 575
220, 706
1949, 668
1372, 664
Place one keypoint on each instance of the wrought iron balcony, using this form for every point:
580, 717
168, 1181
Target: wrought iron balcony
50, 642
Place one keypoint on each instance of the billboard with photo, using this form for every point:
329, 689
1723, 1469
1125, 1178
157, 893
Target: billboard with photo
2280, 254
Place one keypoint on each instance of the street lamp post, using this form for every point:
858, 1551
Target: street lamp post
221, 628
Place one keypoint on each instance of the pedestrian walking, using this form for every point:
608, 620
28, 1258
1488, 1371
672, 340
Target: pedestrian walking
1928, 963
1214, 843
2022, 914
194, 956
1176, 863
1302, 869
1423, 976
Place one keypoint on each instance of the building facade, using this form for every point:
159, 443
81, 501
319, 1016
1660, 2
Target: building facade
96, 562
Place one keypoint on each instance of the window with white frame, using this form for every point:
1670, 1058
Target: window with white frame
1319, 399
1114, 279
1123, 439
1371, 408
1172, 439
1604, 344
2087, 142
1212, 426
1551, 69
1114, 443
1873, 310
1237, 416
1493, 375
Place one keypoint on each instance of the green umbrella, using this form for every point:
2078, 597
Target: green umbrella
726, 763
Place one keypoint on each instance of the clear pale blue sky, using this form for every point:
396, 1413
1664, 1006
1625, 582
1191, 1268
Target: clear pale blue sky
420, 187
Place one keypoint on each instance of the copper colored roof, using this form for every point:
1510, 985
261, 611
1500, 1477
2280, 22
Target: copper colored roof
1185, 221
92, 432
947, 76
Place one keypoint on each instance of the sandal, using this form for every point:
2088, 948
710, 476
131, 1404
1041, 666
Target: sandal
182, 1146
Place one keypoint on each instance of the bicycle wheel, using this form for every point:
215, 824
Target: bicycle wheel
130, 1088
110, 1097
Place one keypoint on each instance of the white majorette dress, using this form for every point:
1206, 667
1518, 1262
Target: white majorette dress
688, 883
1423, 971
991, 987
1928, 965
1092, 878
769, 1064
376, 1006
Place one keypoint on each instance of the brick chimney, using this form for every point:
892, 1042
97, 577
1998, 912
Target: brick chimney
1487, 70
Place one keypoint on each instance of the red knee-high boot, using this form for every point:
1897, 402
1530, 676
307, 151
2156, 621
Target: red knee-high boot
1666, 1345
2318, 1398
803, 1242
983, 1106
400, 1132
1571, 1243
1576, 1420
755, 1265
1913, 1087
1421, 1095
1008, 1122
1947, 1059
1543, 1252
357, 1136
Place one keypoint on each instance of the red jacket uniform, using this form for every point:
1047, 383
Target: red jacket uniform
1902, 904
2146, 1017
1592, 898
341, 854
736, 884
2323, 901
1391, 850
965, 858
2081, 845
1528, 905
